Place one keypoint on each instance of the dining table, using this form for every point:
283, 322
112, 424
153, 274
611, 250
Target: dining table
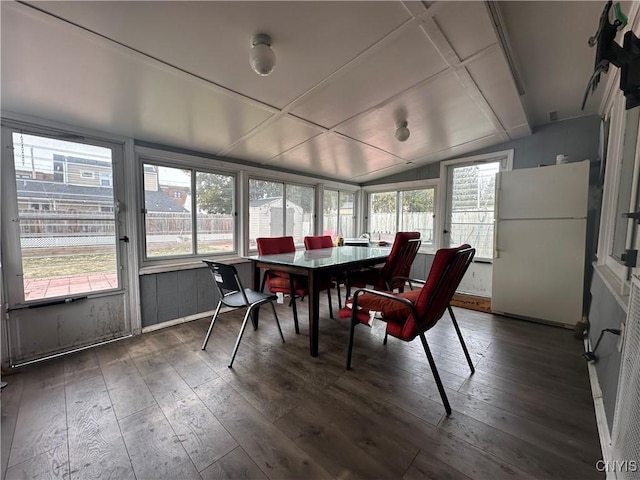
315, 264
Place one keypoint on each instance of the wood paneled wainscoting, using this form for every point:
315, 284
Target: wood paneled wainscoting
156, 406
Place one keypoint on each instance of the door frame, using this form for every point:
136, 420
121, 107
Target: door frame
444, 203
123, 169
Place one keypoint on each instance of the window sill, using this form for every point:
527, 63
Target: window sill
187, 265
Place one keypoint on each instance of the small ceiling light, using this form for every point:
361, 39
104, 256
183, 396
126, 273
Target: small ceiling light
262, 58
402, 132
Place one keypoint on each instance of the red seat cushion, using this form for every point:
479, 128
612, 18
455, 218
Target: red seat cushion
391, 310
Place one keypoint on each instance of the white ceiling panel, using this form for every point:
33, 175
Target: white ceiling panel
439, 115
274, 138
493, 77
212, 39
341, 158
102, 86
383, 73
467, 27
177, 73
553, 56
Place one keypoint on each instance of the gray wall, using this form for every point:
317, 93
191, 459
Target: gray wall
578, 138
171, 295
606, 312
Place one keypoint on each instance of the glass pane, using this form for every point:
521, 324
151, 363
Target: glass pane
623, 205
330, 214
266, 218
167, 200
472, 206
347, 221
300, 203
417, 213
383, 216
67, 219
214, 201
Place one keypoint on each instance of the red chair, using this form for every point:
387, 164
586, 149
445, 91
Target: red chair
315, 242
403, 253
411, 314
282, 282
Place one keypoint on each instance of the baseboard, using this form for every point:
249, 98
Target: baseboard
601, 417
178, 321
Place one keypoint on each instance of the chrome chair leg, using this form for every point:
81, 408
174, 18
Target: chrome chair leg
213, 320
277, 321
235, 348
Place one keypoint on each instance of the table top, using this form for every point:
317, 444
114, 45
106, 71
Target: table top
324, 257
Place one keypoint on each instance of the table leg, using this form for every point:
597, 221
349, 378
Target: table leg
255, 285
314, 312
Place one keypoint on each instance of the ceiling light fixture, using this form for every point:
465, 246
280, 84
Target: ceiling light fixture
262, 58
402, 132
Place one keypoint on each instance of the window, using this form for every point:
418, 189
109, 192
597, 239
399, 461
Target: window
621, 231
278, 209
203, 224
402, 211
620, 191
105, 179
339, 214
472, 203
67, 233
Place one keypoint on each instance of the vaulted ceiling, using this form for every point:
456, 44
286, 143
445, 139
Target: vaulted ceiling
464, 75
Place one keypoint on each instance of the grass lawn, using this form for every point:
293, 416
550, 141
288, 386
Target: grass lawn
67, 265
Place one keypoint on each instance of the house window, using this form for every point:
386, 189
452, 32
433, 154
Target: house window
278, 209
408, 210
105, 179
339, 214
204, 225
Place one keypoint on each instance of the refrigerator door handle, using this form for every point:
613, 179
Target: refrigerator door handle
496, 236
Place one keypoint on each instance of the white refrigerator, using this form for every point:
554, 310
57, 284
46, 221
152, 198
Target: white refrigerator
540, 239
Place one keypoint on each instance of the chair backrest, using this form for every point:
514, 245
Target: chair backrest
314, 242
273, 245
448, 268
225, 278
399, 243
401, 267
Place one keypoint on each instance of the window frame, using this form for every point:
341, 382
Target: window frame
11, 236
146, 156
340, 191
616, 114
505, 157
398, 187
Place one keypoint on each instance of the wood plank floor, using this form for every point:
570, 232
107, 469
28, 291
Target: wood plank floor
157, 407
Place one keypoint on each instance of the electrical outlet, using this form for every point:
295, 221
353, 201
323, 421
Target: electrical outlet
620, 338
280, 296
